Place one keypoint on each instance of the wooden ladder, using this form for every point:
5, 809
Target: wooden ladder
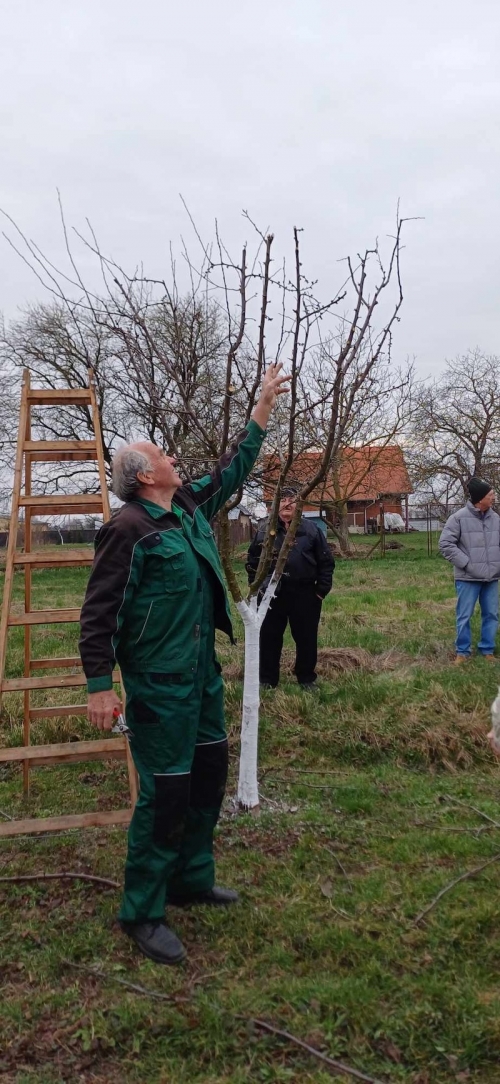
52, 451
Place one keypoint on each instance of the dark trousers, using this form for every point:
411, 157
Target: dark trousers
301, 607
179, 747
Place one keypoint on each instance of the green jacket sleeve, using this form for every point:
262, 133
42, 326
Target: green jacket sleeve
214, 489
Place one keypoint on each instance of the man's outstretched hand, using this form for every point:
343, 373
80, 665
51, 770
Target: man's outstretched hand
100, 708
273, 384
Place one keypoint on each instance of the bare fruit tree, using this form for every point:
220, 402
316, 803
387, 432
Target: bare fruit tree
371, 287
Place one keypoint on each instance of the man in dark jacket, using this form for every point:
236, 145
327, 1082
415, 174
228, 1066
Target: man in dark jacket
470, 540
155, 597
306, 581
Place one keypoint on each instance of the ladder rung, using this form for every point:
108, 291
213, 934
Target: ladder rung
55, 558
58, 711
53, 504
54, 664
53, 824
58, 457
59, 445
54, 397
44, 617
43, 451
97, 749
58, 681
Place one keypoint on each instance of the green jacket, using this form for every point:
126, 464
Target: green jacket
143, 605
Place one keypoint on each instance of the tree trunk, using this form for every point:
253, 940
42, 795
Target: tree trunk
337, 521
248, 790
252, 617
342, 531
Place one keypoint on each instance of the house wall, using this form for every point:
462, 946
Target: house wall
358, 511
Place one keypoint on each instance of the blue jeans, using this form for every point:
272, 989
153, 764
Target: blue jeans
468, 592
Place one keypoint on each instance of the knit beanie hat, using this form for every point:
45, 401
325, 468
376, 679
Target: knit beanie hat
478, 489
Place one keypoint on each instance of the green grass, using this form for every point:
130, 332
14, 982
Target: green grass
375, 795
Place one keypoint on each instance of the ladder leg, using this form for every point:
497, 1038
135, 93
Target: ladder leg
26, 694
99, 448
14, 520
132, 774
27, 606
27, 668
132, 778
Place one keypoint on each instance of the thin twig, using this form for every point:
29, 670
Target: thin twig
341, 913
341, 867
318, 771
61, 876
130, 985
6, 815
294, 783
456, 801
209, 975
475, 829
270, 801
332, 1062
448, 888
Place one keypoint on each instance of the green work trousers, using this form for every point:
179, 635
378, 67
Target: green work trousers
179, 747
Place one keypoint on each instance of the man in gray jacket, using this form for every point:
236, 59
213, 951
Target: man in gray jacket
471, 542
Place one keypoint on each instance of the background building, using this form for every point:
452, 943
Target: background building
366, 480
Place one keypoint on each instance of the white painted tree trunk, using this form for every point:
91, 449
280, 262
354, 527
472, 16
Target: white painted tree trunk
248, 790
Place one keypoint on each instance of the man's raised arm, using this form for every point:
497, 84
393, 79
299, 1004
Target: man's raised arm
234, 466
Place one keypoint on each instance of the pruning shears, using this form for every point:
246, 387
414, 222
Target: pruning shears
120, 726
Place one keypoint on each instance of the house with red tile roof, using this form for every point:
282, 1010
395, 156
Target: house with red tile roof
366, 480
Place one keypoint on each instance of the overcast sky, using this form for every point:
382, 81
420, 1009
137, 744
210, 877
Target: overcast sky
312, 113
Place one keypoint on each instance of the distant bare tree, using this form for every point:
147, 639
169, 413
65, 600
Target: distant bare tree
136, 393
59, 342
456, 428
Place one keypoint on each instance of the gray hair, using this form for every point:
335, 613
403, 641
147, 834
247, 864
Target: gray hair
127, 464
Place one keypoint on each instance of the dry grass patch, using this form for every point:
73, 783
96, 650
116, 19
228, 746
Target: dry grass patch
444, 745
333, 660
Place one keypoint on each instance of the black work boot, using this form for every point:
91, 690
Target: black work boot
155, 940
214, 897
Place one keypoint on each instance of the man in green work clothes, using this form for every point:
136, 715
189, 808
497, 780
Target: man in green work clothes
154, 599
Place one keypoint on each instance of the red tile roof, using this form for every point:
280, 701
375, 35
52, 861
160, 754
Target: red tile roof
365, 473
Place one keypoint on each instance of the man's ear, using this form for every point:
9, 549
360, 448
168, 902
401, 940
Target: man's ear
146, 478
